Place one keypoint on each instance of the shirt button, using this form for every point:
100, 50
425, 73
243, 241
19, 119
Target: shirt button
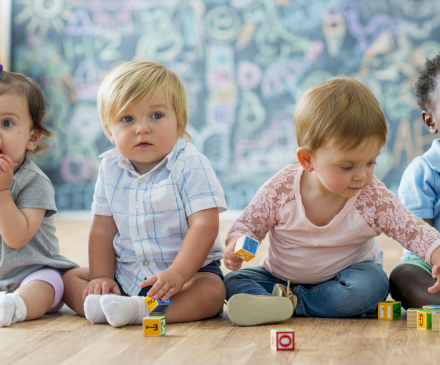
146, 263
139, 238
136, 205
141, 180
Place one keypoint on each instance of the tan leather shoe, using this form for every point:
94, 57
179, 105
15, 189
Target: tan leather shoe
280, 290
251, 310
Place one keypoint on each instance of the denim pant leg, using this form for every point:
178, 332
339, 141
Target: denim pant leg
253, 280
354, 291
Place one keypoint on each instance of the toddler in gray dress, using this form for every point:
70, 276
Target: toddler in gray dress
30, 264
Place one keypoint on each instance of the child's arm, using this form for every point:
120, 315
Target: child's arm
17, 226
102, 257
384, 213
203, 230
260, 216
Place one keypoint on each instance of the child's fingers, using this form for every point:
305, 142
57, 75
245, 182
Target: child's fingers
173, 290
161, 292
115, 290
106, 287
435, 271
159, 286
149, 281
8, 160
435, 288
85, 293
97, 290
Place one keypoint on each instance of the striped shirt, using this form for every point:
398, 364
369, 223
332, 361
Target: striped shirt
151, 210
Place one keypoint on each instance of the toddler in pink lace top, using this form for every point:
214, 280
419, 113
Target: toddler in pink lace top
323, 215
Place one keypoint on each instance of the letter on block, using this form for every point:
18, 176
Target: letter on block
156, 306
389, 310
246, 248
282, 340
154, 326
424, 320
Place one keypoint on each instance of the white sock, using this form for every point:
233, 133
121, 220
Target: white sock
121, 311
12, 309
93, 310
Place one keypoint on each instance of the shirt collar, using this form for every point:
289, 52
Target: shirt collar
125, 163
432, 156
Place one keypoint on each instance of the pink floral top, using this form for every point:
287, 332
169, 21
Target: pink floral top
304, 253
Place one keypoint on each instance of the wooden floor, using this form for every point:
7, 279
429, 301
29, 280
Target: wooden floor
65, 338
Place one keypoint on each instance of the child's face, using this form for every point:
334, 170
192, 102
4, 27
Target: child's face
145, 133
346, 172
16, 133
431, 117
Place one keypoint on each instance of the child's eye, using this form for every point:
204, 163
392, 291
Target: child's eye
157, 116
369, 164
347, 168
127, 119
7, 123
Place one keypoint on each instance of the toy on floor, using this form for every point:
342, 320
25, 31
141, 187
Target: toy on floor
431, 307
411, 317
435, 321
389, 310
282, 340
157, 306
246, 248
424, 319
154, 326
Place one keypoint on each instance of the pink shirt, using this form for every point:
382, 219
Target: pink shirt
304, 253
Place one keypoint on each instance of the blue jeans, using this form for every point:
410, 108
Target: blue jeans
354, 291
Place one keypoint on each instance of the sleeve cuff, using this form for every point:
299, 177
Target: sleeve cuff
430, 251
205, 202
101, 209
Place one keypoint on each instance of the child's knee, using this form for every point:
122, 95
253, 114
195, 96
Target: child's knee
211, 303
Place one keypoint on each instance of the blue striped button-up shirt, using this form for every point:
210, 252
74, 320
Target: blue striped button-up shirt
151, 210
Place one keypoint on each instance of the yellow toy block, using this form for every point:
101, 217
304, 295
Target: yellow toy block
154, 326
156, 306
424, 320
389, 310
246, 248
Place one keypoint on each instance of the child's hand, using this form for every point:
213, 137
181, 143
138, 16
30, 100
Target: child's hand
6, 171
101, 286
436, 287
231, 260
165, 284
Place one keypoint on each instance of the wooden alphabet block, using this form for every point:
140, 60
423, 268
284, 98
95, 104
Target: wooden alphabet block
282, 340
411, 317
389, 310
431, 307
246, 248
157, 306
435, 321
424, 320
154, 326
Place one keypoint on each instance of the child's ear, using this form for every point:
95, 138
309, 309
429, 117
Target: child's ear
34, 140
304, 158
429, 121
110, 136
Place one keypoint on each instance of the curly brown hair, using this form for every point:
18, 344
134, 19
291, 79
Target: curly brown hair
12, 83
427, 82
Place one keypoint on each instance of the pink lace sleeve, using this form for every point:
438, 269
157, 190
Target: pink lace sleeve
384, 213
260, 215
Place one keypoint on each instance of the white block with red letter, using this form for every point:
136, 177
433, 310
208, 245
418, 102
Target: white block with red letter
282, 340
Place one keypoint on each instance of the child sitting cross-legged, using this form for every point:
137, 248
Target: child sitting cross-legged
322, 216
419, 191
156, 205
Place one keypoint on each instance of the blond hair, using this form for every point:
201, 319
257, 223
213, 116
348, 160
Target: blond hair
132, 82
342, 111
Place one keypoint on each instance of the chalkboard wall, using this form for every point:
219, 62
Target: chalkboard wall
244, 64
